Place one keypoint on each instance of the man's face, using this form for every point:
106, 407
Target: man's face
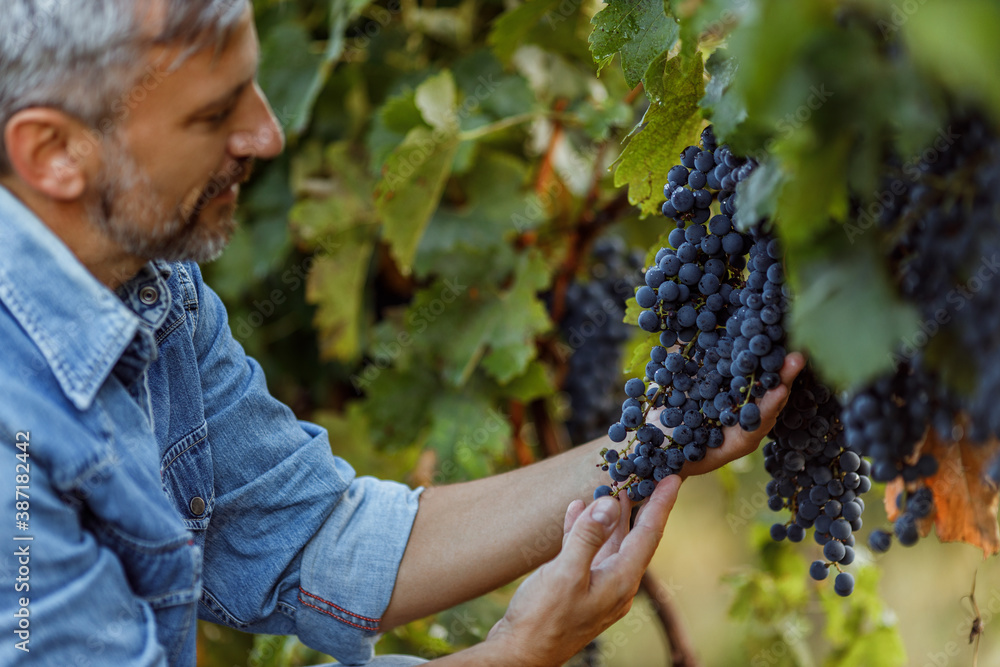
171, 173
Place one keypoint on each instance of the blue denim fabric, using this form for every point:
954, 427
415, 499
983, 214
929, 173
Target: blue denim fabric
137, 403
387, 661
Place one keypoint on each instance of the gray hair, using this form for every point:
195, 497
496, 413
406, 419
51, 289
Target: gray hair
81, 56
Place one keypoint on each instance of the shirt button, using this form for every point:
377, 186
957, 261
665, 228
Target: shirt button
197, 506
149, 295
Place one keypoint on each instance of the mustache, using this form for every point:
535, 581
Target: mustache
238, 172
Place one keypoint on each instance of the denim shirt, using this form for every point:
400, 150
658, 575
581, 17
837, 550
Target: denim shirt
162, 482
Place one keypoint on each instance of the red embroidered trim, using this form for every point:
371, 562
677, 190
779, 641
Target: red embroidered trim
329, 613
316, 597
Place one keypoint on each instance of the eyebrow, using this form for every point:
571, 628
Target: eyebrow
222, 101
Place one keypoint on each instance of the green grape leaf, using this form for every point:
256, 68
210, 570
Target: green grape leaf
336, 285
639, 29
599, 119
970, 64
513, 29
667, 127
632, 311
881, 647
468, 433
857, 628
392, 121
720, 102
758, 195
520, 316
494, 196
496, 94
835, 291
288, 69
436, 98
814, 189
293, 73
397, 403
338, 198
641, 343
534, 383
413, 179
401, 114
463, 327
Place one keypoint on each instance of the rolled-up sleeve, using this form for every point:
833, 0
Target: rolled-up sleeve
296, 544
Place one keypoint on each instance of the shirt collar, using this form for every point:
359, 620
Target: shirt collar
80, 326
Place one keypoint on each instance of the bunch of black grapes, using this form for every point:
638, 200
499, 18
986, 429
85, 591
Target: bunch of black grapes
595, 331
716, 299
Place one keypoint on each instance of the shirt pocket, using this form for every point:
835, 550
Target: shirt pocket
187, 474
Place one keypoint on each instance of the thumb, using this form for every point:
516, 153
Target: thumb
592, 529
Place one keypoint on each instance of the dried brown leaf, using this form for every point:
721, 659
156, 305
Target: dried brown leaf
966, 501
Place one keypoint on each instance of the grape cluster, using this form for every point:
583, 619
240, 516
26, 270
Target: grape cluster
886, 421
946, 231
594, 328
717, 299
725, 330
818, 476
942, 221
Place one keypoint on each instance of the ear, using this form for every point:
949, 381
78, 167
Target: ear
52, 152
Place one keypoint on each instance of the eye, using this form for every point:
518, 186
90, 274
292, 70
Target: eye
221, 117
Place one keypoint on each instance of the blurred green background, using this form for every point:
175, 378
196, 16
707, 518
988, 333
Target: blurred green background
470, 142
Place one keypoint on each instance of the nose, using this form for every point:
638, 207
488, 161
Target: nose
262, 137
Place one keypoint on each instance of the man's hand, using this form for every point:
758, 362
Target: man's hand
739, 443
589, 585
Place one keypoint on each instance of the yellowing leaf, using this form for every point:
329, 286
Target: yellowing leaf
668, 126
413, 179
965, 500
436, 98
336, 286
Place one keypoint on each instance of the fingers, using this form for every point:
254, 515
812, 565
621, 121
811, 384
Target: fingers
639, 545
739, 443
573, 512
621, 530
591, 530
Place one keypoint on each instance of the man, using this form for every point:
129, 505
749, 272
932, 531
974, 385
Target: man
156, 480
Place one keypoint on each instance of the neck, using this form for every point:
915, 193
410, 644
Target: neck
104, 258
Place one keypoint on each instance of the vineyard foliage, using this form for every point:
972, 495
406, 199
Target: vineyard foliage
401, 272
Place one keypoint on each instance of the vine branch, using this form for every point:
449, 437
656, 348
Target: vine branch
682, 653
